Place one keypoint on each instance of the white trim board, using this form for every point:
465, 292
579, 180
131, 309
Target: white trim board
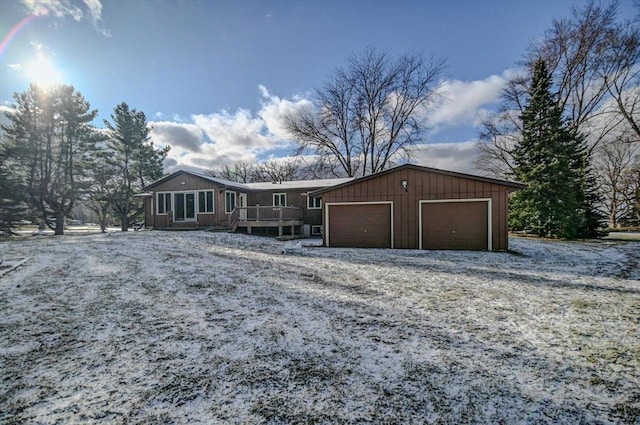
440, 201
174, 206
326, 214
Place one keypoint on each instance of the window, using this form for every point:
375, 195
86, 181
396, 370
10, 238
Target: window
316, 230
205, 202
314, 203
279, 199
164, 203
229, 201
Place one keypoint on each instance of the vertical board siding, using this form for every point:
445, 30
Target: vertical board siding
424, 185
191, 184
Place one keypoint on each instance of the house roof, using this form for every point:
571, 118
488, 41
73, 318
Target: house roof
180, 172
298, 184
285, 185
513, 185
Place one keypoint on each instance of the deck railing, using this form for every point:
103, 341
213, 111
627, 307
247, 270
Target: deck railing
260, 213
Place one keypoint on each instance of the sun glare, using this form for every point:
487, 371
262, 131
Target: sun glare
42, 71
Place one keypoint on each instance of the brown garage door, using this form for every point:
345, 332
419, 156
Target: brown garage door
455, 225
366, 226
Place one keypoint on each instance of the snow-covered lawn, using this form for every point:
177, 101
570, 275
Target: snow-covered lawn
195, 327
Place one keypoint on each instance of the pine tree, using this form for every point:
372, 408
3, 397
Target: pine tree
138, 161
551, 160
591, 199
104, 186
13, 207
50, 135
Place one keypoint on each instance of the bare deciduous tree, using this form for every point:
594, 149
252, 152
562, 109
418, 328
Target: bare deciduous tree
501, 132
268, 171
634, 195
240, 172
615, 163
621, 73
369, 111
277, 171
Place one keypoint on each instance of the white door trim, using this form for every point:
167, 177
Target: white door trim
436, 201
195, 205
326, 213
242, 202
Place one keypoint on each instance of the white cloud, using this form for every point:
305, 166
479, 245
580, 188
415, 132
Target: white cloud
186, 136
239, 129
55, 8
275, 109
95, 11
65, 8
447, 156
15, 67
213, 140
461, 100
210, 141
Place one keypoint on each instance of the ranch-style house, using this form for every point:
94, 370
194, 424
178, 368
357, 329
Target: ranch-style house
409, 207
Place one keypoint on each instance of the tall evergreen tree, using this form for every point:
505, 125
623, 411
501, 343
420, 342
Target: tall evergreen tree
138, 161
50, 135
13, 207
552, 160
591, 199
104, 186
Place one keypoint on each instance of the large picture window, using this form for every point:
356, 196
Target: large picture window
229, 201
205, 202
164, 203
279, 199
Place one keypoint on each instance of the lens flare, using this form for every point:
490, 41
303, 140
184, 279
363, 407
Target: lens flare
42, 71
14, 31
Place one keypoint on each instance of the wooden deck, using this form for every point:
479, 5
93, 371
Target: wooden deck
258, 216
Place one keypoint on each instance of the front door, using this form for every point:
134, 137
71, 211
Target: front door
242, 202
184, 206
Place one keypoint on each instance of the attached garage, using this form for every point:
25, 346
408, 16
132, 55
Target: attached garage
414, 207
455, 224
359, 224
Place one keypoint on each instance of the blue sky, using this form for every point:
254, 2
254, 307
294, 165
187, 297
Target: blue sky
215, 77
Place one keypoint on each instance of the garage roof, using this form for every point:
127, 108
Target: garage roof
513, 185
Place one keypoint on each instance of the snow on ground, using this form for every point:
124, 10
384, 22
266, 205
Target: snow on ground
195, 327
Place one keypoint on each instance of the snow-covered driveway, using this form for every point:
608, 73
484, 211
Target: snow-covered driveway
194, 327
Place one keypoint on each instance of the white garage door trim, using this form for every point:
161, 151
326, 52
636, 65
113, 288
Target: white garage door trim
328, 204
438, 201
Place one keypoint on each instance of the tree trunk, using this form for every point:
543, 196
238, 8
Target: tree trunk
125, 223
59, 230
613, 214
